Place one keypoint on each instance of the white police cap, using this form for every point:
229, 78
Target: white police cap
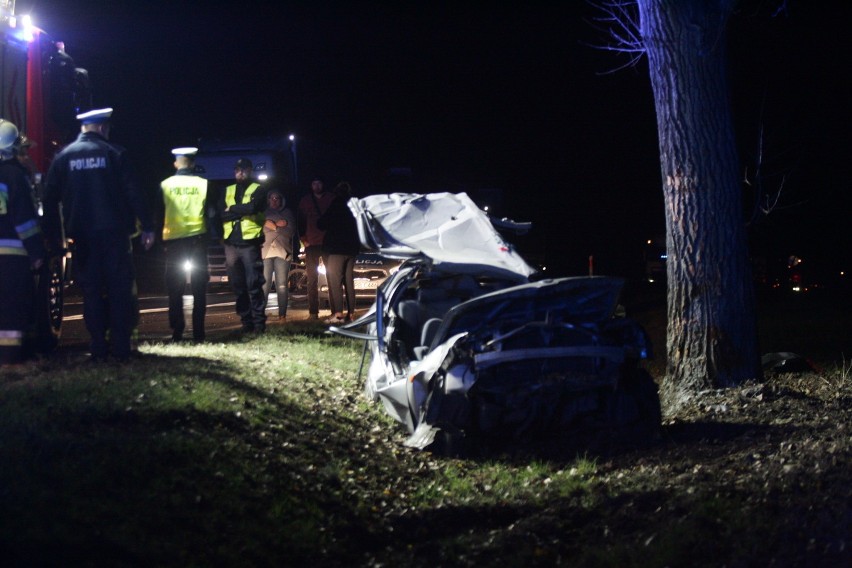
94, 116
185, 151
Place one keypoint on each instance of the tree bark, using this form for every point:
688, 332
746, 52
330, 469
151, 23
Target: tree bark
711, 335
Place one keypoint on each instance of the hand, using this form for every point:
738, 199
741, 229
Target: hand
269, 224
147, 239
281, 223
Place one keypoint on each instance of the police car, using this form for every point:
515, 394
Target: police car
371, 270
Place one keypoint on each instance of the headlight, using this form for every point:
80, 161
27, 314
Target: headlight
187, 266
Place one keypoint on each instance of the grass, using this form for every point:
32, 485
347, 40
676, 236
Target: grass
241, 452
262, 451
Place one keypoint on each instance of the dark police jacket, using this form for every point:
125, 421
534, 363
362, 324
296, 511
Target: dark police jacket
94, 183
20, 232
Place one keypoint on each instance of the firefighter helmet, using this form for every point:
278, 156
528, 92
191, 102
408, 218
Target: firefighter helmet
8, 134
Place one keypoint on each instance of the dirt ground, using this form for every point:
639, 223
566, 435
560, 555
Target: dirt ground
764, 469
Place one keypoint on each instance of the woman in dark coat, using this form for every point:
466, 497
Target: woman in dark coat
341, 245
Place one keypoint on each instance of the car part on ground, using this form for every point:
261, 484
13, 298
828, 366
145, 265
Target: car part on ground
467, 351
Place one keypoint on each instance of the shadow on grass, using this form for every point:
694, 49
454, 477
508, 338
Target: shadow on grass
668, 505
157, 463
615, 445
673, 523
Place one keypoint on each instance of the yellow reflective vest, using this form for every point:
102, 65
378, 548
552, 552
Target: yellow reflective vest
250, 225
184, 197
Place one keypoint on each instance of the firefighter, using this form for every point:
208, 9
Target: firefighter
22, 248
101, 202
185, 241
242, 217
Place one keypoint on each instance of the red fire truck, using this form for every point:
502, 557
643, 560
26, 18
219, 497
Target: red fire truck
41, 92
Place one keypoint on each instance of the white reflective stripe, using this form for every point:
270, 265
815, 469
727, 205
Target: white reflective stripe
12, 251
485, 360
11, 337
12, 247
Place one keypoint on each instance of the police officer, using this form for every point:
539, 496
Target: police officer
242, 208
92, 180
21, 248
185, 240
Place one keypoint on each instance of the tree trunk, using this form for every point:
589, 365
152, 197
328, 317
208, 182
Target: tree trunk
711, 335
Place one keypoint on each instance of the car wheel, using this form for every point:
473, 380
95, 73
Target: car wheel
49, 305
450, 440
637, 406
297, 281
450, 444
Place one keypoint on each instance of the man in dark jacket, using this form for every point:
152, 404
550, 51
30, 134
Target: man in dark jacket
340, 245
242, 206
101, 204
311, 207
21, 248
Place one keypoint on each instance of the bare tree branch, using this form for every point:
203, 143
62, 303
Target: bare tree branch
765, 200
619, 24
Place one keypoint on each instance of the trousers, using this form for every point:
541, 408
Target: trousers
187, 257
17, 290
245, 272
106, 274
277, 270
313, 254
340, 272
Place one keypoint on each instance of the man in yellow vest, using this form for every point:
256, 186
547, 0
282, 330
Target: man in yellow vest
185, 240
242, 223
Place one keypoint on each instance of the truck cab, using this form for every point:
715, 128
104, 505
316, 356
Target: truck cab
274, 161
41, 92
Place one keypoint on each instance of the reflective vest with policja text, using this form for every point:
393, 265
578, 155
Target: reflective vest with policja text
184, 197
251, 225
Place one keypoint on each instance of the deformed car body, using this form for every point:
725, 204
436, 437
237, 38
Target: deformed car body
465, 346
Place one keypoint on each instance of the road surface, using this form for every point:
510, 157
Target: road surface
154, 321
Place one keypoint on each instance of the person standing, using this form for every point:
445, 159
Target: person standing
242, 208
311, 208
185, 241
341, 245
277, 252
92, 180
22, 248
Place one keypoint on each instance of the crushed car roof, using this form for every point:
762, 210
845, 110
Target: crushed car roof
445, 227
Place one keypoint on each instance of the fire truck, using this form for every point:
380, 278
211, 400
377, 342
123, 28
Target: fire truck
41, 92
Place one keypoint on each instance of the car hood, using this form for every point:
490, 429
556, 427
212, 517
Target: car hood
445, 227
575, 300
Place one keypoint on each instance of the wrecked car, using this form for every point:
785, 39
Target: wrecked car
467, 346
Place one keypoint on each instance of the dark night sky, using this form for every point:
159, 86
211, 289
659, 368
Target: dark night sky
509, 97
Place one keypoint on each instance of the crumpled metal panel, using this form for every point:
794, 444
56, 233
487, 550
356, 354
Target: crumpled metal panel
446, 227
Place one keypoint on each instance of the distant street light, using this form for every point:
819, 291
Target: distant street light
295, 158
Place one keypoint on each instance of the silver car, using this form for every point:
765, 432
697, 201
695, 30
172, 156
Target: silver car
467, 348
